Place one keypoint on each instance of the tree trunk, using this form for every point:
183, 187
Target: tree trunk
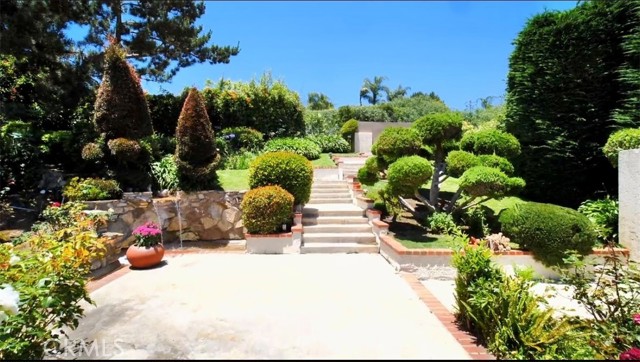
454, 199
117, 10
434, 193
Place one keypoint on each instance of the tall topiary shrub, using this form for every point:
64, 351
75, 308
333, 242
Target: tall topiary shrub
122, 119
288, 170
196, 155
548, 230
348, 130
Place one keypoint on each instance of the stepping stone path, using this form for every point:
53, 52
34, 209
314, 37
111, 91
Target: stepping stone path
332, 223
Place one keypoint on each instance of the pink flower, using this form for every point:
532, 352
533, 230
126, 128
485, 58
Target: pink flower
636, 318
632, 354
148, 229
55, 204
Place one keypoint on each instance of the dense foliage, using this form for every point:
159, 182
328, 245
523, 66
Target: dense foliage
603, 213
44, 281
78, 189
563, 91
266, 208
330, 143
301, 146
624, 139
548, 230
265, 105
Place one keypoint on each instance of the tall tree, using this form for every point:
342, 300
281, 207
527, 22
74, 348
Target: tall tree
397, 93
161, 36
372, 90
563, 88
318, 101
42, 80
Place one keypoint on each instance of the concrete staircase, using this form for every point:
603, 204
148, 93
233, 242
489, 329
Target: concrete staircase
349, 166
333, 224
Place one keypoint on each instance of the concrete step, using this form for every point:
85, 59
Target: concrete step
328, 195
339, 237
329, 183
348, 229
332, 248
315, 210
329, 191
335, 200
308, 221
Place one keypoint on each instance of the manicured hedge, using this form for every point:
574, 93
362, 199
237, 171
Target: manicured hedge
300, 146
548, 230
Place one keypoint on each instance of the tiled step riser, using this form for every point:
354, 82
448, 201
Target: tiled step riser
339, 238
309, 221
336, 228
338, 249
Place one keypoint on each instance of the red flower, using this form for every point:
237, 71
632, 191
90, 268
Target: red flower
632, 354
636, 318
55, 204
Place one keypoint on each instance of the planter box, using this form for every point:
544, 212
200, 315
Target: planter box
283, 243
401, 258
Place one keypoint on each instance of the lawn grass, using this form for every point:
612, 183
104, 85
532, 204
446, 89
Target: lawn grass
233, 180
427, 241
324, 162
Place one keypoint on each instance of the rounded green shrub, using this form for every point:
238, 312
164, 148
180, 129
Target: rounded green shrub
436, 128
487, 181
123, 149
265, 209
491, 141
460, 161
407, 174
498, 162
349, 128
396, 142
620, 140
548, 230
243, 138
196, 155
300, 146
368, 174
92, 152
288, 170
330, 143
88, 189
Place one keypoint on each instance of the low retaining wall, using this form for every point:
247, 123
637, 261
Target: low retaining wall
401, 257
202, 215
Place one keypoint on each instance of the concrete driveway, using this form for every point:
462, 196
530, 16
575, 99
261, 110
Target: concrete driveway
241, 306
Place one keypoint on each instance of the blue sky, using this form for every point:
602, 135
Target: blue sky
458, 49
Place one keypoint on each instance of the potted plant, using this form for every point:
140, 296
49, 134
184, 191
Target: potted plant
147, 250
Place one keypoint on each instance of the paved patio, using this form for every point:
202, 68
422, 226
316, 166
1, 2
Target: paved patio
239, 306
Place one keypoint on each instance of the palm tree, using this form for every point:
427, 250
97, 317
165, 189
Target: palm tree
397, 93
318, 101
371, 91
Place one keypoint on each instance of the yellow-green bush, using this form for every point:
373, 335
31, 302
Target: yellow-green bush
265, 209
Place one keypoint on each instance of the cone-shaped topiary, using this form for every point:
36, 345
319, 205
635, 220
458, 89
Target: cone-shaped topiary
196, 155
121, 109
122, 119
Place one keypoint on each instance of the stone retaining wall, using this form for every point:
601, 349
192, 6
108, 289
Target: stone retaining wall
204, 215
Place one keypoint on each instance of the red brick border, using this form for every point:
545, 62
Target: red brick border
466, 340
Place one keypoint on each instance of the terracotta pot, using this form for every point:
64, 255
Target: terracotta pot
145, 257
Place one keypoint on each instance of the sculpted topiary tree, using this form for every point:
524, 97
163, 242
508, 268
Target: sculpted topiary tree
196, 156
483, 174
122, 119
